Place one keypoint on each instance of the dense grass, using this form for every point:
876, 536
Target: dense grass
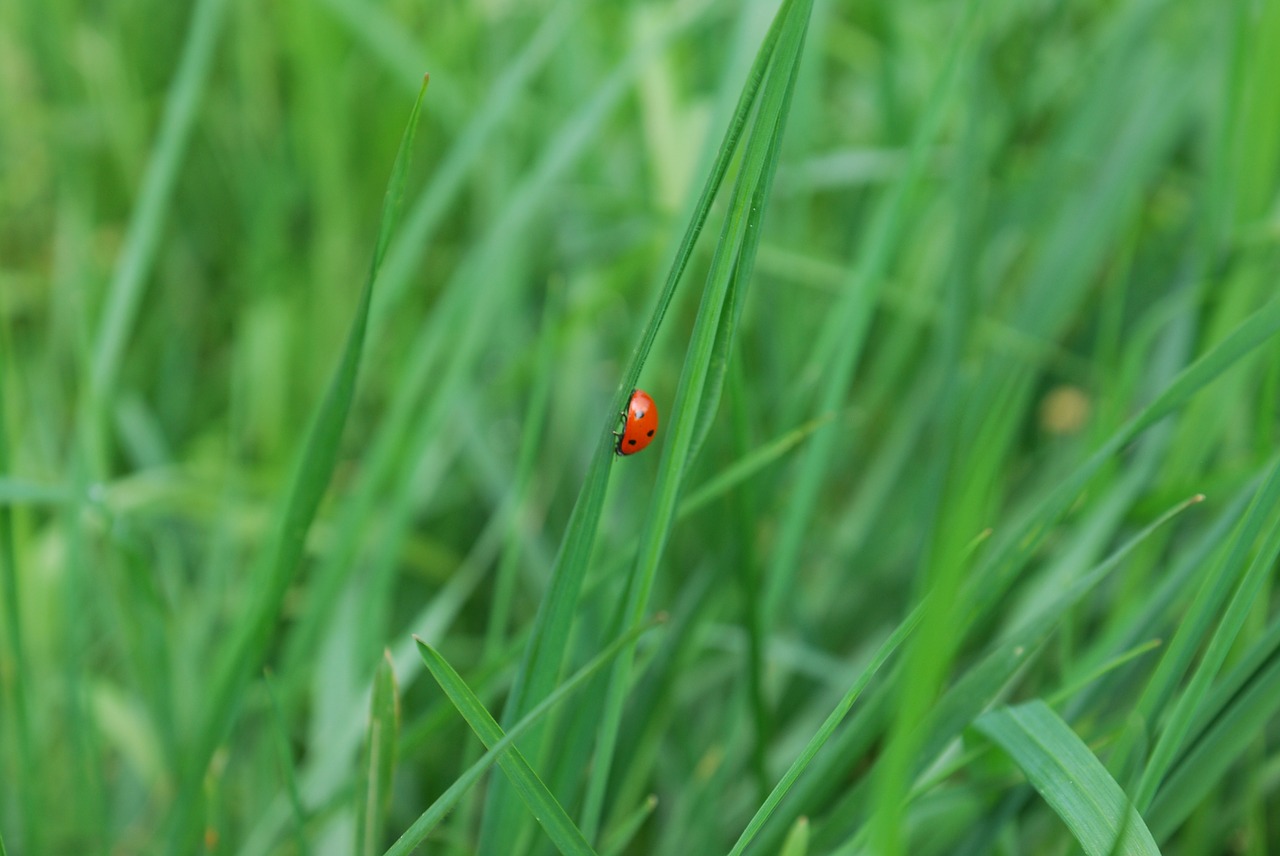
965, 511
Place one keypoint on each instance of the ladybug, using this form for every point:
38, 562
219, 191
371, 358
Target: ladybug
639, 425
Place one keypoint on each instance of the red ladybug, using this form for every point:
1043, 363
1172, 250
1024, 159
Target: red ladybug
641, 423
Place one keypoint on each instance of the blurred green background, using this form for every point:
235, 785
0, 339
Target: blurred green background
189, 199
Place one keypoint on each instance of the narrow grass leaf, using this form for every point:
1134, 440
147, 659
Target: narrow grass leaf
374, 795
1070, 778
1235, 727
824, 733
148, 219
993, 576
317, 460
1177, 729
567, 838
437, 811
617, 841
797, 840
982, 684
284, 753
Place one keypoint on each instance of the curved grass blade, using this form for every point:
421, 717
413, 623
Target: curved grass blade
445, 803
568, 839
315, 466
1070, 778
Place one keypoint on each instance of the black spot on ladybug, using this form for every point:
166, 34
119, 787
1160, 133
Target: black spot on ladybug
651, 432
631, 442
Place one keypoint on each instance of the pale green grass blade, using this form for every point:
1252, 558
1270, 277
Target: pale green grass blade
545, 652
284, 754
445, 803
1070, 778
797, 840
837, 352
381, 745
734, 253
146, 225
824, 734
567, 838
315, 466
617, 841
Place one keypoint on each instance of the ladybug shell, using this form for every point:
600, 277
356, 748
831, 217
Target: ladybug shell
641, 423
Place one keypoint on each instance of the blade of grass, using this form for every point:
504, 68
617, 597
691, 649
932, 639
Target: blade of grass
1237, 721
982, 684
797, 840
1195, 625
848, 323
374, 795
437, 811
735, 253
567, 838
287, 770
824, 733
1070, 778
553, 622
147, 222
315, 466
618, 840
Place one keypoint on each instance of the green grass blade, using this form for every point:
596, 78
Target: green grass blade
617, 841
567, 838
1194, 626
797, 840
734, 253
1025, 535
1235, 726
382, 737
445, 803
147, 223
15, 685
982, 684
315, 466
287, 769
838, 350
824, 733
1070, 778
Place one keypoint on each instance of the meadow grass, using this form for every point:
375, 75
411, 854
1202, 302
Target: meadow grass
964, 512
